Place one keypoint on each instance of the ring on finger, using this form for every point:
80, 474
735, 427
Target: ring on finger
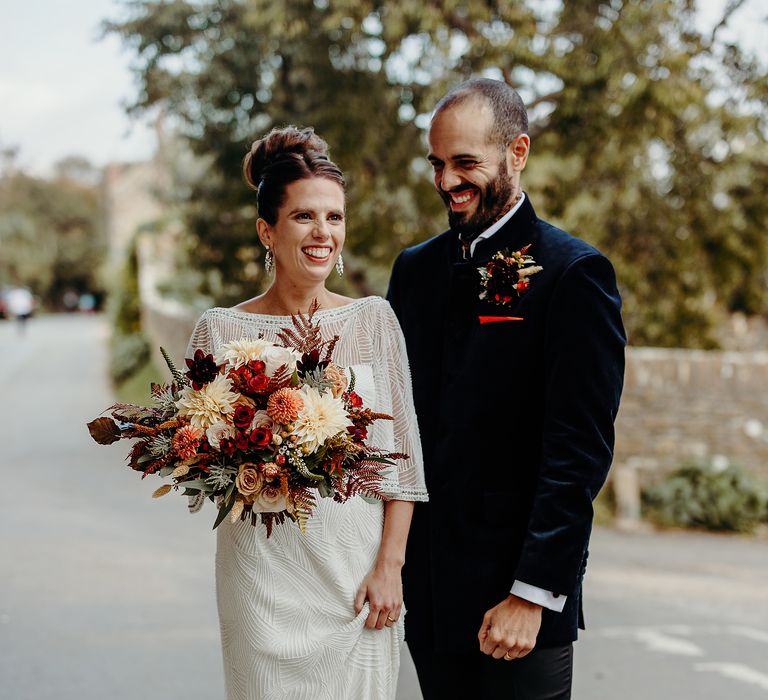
507, 657
391, 619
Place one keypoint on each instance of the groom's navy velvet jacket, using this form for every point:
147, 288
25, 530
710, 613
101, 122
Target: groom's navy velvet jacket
516, 422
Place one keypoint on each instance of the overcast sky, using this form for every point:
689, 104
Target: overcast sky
62, 87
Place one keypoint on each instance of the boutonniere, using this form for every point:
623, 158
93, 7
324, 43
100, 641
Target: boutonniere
507, 276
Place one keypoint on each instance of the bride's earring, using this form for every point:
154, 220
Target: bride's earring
340, 265
269, 260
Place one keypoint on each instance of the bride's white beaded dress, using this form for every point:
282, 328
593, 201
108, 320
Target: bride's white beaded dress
288, 626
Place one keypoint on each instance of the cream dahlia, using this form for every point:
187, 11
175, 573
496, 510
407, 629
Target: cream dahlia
208, 405
240, 352
322, 417
284, 405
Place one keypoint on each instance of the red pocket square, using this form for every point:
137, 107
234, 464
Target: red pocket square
498, 319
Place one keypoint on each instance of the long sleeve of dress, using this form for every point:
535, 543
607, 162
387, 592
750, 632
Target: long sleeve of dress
200, 338
397, 400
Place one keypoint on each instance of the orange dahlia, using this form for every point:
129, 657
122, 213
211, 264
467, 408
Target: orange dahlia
284, 405
185, 441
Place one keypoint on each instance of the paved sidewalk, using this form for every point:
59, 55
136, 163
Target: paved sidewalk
104, 592
682, 616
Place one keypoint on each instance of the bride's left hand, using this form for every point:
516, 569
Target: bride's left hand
383, 589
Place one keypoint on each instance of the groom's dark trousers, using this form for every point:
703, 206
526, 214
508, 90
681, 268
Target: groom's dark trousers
516, 419
544, 674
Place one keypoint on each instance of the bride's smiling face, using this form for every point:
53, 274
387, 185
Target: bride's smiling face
309, 233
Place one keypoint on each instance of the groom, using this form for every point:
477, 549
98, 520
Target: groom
516, 395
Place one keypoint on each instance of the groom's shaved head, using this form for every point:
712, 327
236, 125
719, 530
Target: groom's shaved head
509, 116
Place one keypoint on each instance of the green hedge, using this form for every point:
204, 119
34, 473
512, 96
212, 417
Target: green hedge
129, 350
702, 496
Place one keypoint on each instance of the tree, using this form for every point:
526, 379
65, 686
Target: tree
647, 136
50, 235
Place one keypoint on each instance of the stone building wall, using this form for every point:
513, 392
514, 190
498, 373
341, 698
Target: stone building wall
165, 322
678, 405
131, 200
692, 405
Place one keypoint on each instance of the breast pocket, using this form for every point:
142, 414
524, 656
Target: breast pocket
500, 344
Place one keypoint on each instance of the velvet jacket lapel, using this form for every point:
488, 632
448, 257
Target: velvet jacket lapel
518, 232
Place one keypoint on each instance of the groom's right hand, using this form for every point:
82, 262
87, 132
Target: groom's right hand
509, 630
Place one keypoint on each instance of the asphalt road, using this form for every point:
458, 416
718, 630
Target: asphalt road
105, 592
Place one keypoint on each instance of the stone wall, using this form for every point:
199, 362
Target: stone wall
165, 322
678, 406
684, 405
131, 200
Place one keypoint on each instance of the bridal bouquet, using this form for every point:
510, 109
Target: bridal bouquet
260, 428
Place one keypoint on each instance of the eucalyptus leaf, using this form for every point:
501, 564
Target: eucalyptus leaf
224, 511
194, 484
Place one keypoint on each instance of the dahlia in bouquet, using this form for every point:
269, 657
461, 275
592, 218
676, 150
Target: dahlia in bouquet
259, 428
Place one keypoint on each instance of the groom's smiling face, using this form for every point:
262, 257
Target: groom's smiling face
470, 169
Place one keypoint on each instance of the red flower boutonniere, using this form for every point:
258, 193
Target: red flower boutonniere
506, 276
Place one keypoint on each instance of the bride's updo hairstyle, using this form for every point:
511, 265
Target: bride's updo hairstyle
284, 156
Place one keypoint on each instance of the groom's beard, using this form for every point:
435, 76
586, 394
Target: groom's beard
492, 203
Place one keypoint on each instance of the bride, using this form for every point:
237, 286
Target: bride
317, 615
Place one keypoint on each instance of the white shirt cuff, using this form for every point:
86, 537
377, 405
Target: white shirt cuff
533, 594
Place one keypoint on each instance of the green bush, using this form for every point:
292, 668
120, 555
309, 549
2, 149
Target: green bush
702, 496
129, 354
129, 350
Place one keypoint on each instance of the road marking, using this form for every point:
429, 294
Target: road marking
654, 639
738, 672
666, 644
749, 633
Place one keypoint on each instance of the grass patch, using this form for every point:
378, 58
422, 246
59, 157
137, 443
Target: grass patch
135, 389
